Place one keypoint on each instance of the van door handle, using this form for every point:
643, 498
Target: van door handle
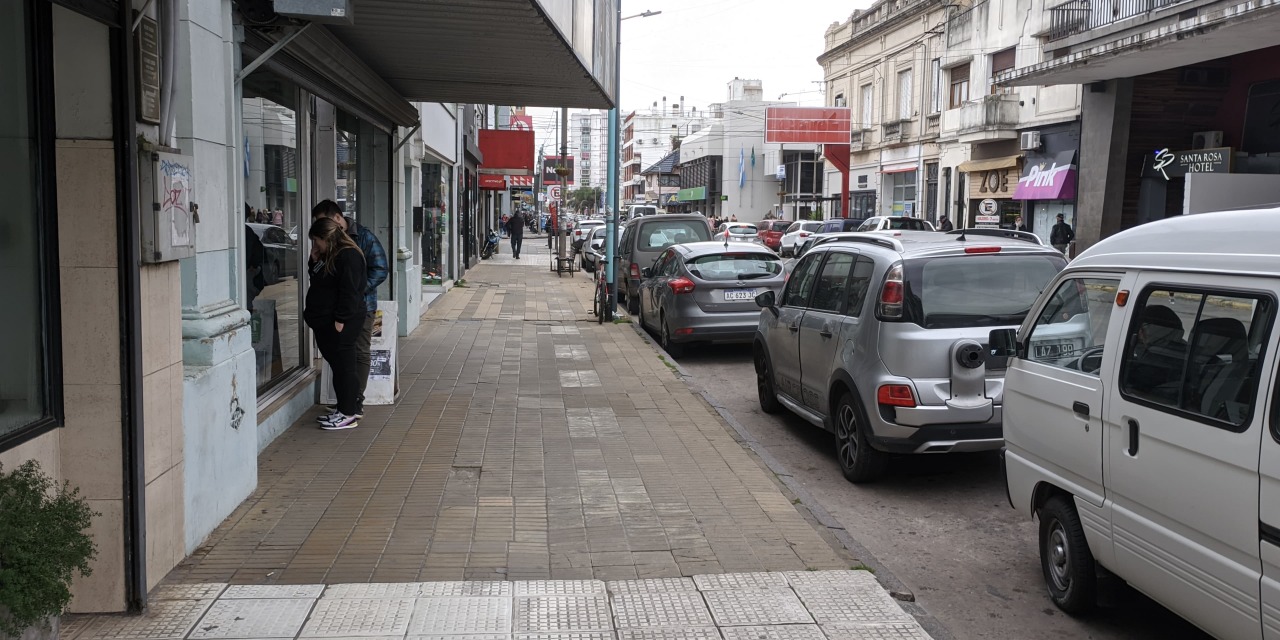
794, 327
1133, 437
826, 332
1081, 409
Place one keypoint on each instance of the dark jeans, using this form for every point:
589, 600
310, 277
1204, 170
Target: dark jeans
362, 357
517, 240
339, 350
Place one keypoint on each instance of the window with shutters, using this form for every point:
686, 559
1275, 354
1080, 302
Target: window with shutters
1001, 61
959, 86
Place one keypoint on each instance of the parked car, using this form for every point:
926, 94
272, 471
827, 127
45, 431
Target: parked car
895, 223
281, 259
582, 230
644, 239
641, 210
737, 232
1148, 448
838, 225
705, 292
795, 233
771, 232
595, 246
881, 340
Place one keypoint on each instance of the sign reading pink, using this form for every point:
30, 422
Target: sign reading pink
1048, 179
812, 125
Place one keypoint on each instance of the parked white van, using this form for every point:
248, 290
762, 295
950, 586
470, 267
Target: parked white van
1151, 449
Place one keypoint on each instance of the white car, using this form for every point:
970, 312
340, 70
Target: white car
582, 230
1140, 420
797, 232
737, 232
895, 223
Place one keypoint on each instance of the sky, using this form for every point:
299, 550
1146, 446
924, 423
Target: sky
696, 47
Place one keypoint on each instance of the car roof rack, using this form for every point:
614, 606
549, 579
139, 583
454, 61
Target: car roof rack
854, 236
997, 233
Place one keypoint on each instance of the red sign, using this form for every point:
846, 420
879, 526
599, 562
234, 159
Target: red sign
493, 181
507, 151
813, 125
520, 182
549, 175
521, 123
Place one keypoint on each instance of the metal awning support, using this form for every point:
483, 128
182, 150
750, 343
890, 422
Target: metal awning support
266, 55
407, 136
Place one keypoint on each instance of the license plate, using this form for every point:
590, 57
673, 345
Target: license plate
1054, 349
739, 294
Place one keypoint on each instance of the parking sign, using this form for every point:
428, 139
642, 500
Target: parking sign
553, 193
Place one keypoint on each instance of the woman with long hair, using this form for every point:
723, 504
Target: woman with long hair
335, 311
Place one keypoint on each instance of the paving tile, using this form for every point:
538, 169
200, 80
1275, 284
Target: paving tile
540, 614
831, 579
863, 605
374, 590
359, 617
651, 585
747, 607
466, 615
774, 632
741, 581
186, 591
670, 609
163, 620
248, 618
251, 591
688, 633
467, 588
889, 631
559, 587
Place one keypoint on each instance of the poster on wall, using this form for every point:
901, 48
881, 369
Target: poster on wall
382, 386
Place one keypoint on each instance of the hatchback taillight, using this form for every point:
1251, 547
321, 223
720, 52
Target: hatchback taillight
892, 294
680, 285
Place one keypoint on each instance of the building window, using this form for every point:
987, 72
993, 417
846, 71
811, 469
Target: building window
839, 102
1001, 61
935, 90
905, 110
904, 194
867, 115
29, 380
959, 86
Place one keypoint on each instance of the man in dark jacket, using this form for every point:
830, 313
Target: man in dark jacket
515, 230
1061, 235
376, 267
944, 224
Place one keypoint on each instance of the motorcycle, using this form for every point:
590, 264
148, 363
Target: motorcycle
490, 245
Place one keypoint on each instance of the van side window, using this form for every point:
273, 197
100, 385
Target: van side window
1072, 327
1197, 352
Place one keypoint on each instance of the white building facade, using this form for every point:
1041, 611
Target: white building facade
647, 137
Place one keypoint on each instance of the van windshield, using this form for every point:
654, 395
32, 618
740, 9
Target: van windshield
980, 290
660, 233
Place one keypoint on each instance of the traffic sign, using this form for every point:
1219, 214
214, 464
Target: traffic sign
553, 193
988, 207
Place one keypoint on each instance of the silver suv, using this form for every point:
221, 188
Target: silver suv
883, 339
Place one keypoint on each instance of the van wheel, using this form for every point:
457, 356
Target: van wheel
764, 386
1069, 570
858, 461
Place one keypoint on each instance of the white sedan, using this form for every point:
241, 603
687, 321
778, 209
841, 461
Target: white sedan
797, 232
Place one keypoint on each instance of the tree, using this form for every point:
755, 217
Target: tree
583, 200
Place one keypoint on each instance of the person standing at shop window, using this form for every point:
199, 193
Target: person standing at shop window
335, 310
1061, 235
376, 269
1018, 225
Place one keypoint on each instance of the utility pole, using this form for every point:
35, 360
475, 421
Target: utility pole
562, 171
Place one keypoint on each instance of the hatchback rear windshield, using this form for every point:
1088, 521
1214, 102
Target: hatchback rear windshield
657, 235
742, 231
645, 211
980, 290
734, 266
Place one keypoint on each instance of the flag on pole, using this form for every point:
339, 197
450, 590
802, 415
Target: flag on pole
742, 168
753, 156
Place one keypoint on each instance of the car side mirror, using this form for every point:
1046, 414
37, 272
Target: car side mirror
646, 272
1003, 344
768, 300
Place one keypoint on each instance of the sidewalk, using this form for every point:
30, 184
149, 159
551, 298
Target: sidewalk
529, 444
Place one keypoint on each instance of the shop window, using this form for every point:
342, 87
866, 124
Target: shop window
29, 381
276, 223
904, 194
959, 86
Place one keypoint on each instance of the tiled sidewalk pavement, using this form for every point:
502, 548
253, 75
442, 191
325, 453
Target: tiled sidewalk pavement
528, 443
820, 605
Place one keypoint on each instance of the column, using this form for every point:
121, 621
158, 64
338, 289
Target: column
1104, 147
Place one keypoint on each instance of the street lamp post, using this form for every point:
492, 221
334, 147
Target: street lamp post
611, 184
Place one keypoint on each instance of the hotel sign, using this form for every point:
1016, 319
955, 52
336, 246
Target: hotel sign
1176, 164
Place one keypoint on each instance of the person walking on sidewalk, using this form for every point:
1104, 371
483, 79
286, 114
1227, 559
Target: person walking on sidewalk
335, 310
1061, 235
376, 268
515, 231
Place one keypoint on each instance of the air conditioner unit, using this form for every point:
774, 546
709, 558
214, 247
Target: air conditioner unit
1029, 141
1206, 139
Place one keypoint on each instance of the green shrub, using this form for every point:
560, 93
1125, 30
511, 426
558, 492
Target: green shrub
42, 544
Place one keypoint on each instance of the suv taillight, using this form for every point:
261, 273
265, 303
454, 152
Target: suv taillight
896, 395
635, 271
892, 294
680, 285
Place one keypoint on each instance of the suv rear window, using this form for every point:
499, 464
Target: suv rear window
981, 290
664, 233
735, 266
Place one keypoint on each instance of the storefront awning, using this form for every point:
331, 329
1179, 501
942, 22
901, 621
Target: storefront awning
506, 152
991, 164
898, 168
1048, 178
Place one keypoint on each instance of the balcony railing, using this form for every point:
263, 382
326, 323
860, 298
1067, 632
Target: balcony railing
932, 122
896, 131
1078, 16
989, 113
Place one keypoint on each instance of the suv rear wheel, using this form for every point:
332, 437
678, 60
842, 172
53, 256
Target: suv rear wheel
858, 461
764, 385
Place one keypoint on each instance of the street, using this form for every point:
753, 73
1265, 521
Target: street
941, 524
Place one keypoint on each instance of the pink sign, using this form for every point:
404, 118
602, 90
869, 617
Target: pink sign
1048, 179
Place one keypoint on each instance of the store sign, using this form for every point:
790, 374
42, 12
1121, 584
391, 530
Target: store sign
993, 183
493, 181
147, 57
1176, 164
1048, 178
988, 207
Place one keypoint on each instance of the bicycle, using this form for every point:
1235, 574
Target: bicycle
601, 306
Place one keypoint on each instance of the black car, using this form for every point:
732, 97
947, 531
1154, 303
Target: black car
281, 252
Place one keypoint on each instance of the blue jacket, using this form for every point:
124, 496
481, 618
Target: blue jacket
375, 260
